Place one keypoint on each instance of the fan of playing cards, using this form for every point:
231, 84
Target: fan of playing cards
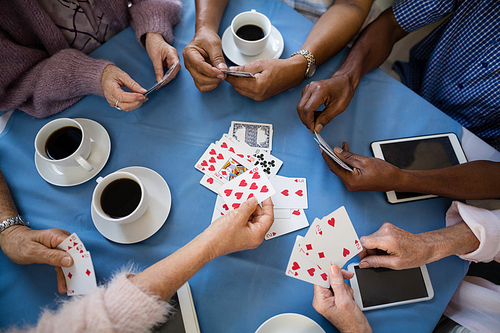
240, 166
331, 240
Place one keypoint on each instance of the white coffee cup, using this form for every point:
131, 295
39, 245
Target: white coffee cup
103, 183
78, 157
251, 47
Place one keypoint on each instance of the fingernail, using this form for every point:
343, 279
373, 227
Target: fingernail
66, 261
221, 76
318, 128
337, 150
363, 264
334, 269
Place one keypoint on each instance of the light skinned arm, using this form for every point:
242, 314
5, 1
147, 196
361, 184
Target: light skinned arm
370, 50
474, 180
203, 56
331, 33
24, 245
241, 229
396, 248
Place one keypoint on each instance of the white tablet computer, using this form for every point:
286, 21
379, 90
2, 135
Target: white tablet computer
376, 288
426, 152
184, 319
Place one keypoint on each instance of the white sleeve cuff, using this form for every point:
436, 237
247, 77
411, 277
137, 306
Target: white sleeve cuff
485, 225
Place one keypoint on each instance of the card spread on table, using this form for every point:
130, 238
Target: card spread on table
80, 277
330, 240
256, 135
301, 268
323, 145
228, 159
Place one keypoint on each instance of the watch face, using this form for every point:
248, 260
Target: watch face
312, 70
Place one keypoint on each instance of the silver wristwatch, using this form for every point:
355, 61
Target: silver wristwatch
311, 62
18, 220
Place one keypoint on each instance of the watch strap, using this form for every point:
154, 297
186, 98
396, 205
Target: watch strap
311, 61
18, 220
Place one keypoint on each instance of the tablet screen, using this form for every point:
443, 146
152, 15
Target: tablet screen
175, 324
379, 286
421, 154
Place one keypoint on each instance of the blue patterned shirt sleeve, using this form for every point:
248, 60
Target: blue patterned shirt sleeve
413, 15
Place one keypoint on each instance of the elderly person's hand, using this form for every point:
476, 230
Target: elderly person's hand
369, 173
203, 58
272, 76
162, 55
243, 228
112, 81
339, 306
335, 93
26, 246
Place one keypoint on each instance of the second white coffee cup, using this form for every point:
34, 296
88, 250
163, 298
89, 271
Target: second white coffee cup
120, 197
251, 31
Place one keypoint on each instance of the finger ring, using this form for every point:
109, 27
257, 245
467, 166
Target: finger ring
116, 105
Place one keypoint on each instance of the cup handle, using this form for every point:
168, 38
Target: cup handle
86, 165
98, 180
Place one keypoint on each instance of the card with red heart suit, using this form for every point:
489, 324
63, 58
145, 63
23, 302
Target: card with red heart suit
281, 226
252, 183
301, 268
331, 240
290, 192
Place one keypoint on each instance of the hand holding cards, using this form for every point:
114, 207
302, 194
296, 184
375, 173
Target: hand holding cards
80, 278
331, 240
159, 84
326, 148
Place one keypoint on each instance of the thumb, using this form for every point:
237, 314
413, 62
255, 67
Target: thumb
337, 283
54, 257
248, 207
131, 84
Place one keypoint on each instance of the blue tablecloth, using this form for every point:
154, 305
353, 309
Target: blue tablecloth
237, 292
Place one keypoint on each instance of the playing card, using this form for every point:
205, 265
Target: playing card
252, 183
269, 164
72, 245
290, 192
211, 183
280, 213
300, 268
241, 150
296, 221
331, 240
80, 277
323, 145
256, 135
236, 73
163, 80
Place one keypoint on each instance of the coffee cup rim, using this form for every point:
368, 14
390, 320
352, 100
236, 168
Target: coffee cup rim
268, 32
42, 153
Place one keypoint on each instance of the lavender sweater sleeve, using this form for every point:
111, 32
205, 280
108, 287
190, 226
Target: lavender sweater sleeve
121, 307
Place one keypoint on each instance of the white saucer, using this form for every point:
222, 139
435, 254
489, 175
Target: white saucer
148, 224
290, 323
274, 48
75, 175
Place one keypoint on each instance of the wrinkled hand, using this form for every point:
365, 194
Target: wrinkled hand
272, 76
161, 54
394, 248
203, 58
339, 307
335, 93
112, 81
370, 173
26, 246
243, 228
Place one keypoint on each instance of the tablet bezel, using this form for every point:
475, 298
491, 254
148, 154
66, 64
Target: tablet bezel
359, 301
455, 144
187, 309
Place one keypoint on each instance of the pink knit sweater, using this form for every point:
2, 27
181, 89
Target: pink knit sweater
121, 307
41, 75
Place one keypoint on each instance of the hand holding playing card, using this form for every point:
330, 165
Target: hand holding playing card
340, 310
243, 228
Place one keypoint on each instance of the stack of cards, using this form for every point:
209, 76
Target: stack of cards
331, 240
80, 278
245, 148
323, 145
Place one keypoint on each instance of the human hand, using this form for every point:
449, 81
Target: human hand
339, 307
243, 228
26, 246
335, 93
369, 173
272, 76
203, 58
161, 54
394, 248
112, 81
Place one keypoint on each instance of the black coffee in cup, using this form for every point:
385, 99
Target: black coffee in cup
250, 32
63, 142
121, 197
